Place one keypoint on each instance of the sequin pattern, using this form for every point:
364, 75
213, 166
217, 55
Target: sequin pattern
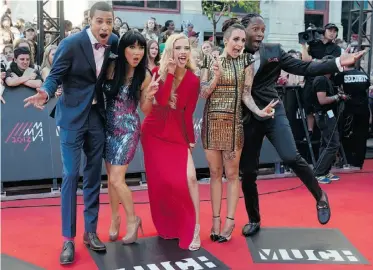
222, 127
122, 129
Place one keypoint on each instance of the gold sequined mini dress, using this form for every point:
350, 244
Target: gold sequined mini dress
222, 117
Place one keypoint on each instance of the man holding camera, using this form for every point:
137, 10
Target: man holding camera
324, 102
317, 48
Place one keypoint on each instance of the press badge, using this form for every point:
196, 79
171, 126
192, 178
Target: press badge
330, 113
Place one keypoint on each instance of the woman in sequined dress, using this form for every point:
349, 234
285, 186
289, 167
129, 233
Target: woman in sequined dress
167, 139
226, 82
128, 79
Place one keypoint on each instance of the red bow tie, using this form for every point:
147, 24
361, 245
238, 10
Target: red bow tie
99, 45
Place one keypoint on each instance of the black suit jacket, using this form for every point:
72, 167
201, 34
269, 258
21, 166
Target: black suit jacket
74, 67
273, 59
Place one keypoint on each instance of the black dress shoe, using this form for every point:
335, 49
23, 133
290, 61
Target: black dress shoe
93, 242
68, 253
323, 210
251, 229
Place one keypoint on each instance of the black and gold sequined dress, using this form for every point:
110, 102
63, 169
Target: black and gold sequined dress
222, 127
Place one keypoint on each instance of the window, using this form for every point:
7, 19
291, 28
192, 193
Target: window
315, 5
129, 3
316, 12
148, 4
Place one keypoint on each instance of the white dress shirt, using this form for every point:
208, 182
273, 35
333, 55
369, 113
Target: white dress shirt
98, 54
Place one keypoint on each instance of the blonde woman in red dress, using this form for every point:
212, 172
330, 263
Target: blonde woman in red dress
167, 141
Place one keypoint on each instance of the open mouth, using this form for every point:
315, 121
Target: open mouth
136, 59
103, 36
182, 59
236, 51
257, 42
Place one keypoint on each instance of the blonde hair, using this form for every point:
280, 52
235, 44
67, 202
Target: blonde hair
166, 55
45, 63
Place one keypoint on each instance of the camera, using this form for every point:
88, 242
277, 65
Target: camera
312, 34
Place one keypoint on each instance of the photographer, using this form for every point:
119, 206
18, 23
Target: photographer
355, 84
316, 49
324, 101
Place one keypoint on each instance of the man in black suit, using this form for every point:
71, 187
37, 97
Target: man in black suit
270, 59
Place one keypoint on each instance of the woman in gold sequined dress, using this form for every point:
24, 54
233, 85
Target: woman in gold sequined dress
225, 82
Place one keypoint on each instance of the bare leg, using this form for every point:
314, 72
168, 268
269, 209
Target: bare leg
193, 184
194, 194
215, 161
231, 167
117, 180
114, 205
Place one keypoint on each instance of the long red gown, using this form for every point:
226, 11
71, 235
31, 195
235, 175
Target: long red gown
165, 138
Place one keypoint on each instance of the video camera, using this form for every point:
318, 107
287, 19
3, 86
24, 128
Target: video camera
311, 34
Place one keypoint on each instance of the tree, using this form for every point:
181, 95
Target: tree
214, 10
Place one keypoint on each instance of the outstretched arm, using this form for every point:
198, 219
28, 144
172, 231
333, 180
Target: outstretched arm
247, 98
61, 65
303, 68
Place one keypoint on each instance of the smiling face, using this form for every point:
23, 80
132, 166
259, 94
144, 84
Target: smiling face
235, 43
181, 52
255, 34
102, 25
23, 61
206, 48
134, 53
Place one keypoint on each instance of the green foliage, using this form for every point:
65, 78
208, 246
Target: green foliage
215, 9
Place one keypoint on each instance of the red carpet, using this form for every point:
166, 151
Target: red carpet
33, 234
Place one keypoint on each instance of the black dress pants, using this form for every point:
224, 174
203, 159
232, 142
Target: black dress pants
279, 133
355, 145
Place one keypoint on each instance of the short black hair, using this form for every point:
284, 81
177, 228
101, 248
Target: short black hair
21, 50
245, 21
103, 6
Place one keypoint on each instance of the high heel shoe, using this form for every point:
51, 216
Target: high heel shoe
113, 236
196, 243
213, 235
131, 236
223, 238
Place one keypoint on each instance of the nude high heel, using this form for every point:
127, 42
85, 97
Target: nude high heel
131, 237
196, 243
113, 236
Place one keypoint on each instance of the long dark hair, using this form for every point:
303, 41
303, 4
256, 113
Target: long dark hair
121, 66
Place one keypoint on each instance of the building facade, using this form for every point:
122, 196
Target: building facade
284, 19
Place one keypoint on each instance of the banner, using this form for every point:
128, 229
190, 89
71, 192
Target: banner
30, 145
